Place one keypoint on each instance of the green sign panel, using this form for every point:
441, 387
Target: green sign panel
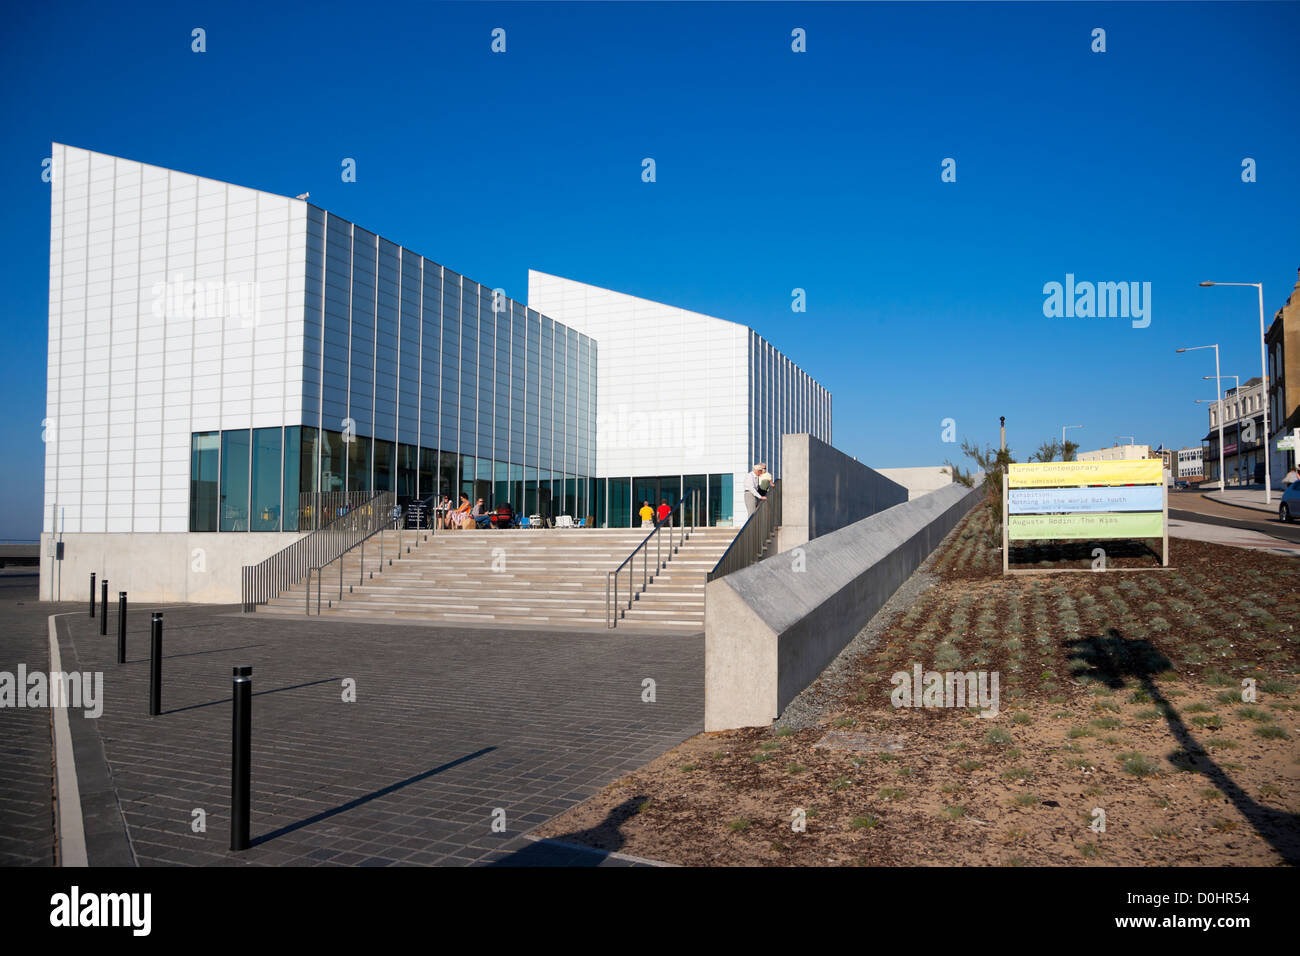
1087, 526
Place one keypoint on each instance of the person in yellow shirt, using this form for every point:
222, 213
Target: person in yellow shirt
647, 515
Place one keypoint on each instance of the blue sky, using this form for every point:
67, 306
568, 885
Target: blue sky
775, 170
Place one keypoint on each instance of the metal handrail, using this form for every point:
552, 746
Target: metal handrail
266, 580
611, 577
317, 509
747, 547
397, 515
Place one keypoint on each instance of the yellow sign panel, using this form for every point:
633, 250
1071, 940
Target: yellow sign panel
1066, 474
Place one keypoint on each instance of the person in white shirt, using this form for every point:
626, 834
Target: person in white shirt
753, 493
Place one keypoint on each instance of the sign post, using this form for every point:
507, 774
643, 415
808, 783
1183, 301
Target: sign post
1071, 500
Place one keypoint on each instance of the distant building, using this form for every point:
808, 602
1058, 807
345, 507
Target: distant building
1116, 453
1283, 346
1191, 465
1243, 434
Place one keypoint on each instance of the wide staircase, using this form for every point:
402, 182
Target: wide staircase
534, 578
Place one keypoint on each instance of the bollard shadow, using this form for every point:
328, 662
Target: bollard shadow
360, 801
258, 693
219, 650
590, 847
1114, 660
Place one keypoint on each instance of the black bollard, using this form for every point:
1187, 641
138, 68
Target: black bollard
92, 593
155, 664
241, 734
103, 600
121, 627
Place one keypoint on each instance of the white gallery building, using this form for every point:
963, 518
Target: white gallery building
223, 361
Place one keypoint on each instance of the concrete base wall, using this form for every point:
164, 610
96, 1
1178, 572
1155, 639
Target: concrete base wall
772, 627
199, 568
919, 481
823, 490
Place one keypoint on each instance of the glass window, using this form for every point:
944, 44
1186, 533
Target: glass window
234, 480
428, 466
333, 466
267, 463
359, 464
299, 475
720, 493
697, 485
383, 466
205, 454
620, 502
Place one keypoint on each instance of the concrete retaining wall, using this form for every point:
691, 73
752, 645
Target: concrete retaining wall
823, 490
771, 628
919, 481
200, 568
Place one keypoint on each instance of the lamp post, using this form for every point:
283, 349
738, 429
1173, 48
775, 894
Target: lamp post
1218, 385
1263, 377
1063, 428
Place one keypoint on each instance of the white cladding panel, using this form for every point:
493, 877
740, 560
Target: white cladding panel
176, 306
671, 385
682, 393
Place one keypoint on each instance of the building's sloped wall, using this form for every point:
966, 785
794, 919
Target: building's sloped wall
176, 306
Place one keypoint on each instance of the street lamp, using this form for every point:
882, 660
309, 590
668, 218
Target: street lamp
1263, 377
1063, 428
1218, 384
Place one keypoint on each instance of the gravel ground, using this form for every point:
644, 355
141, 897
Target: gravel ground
810, 707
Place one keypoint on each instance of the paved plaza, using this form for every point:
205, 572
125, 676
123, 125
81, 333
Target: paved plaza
451, 730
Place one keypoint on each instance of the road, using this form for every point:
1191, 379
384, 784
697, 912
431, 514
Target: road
1191, 506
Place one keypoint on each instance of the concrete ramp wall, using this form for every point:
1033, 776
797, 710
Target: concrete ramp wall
823, 490
772, 627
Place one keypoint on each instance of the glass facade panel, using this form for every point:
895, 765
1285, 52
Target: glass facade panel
408, 466
205, 455
383, 466
720, 498
697, 484
333, 464
620, 503
359, 464
234, 480
449, 412
428, 468
267, 470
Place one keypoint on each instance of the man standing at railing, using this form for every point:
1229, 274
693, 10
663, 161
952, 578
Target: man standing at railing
753, 492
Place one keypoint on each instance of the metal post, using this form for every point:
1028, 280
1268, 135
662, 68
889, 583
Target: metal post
92, 593
155, 664
103, 600
121, 627
361, 576
241, 732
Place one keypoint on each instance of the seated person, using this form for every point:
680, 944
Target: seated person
480, 515
457, 518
